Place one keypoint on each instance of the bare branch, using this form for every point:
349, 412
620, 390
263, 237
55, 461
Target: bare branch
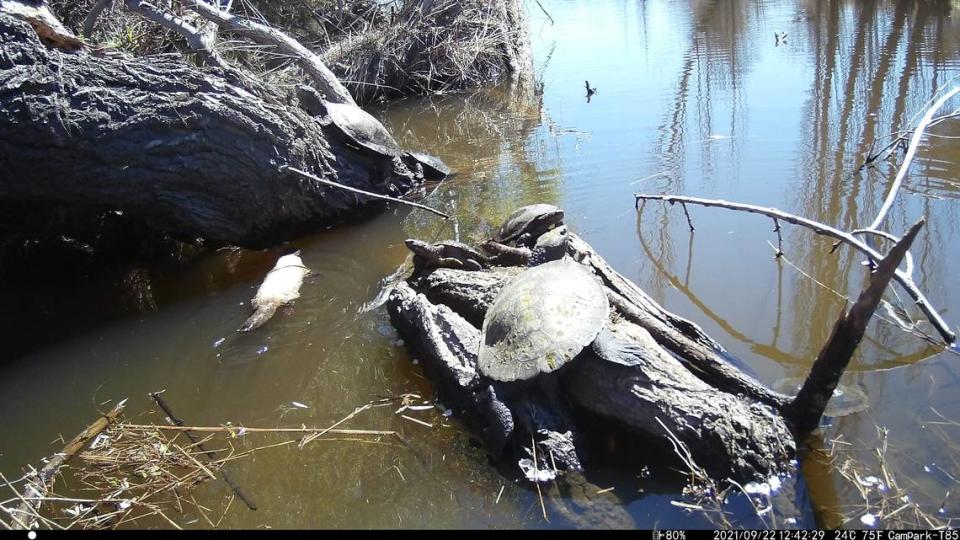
905, 280
362, 192
91, 18
172, 22
911, 150
334, 91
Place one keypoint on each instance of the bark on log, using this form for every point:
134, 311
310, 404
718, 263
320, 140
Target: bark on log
728, 434
195, 153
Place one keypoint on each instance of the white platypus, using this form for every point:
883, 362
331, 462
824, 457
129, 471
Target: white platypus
280, 287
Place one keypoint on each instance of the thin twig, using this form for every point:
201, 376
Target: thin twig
362, 192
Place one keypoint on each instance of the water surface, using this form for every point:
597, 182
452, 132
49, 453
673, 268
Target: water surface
698, 93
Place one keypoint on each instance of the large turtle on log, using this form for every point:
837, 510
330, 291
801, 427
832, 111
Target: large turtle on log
541, 320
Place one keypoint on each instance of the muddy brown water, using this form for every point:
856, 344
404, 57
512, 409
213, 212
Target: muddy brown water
699, 93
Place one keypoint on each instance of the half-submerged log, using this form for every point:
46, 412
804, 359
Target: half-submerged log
729, 433
194, 153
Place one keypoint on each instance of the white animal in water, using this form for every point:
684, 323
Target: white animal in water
280, 287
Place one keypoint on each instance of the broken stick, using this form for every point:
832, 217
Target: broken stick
210, 455
805, 411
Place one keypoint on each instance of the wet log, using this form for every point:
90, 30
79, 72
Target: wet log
192, 152
729, 434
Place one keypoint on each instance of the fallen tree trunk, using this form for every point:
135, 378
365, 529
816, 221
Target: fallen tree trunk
729, 433
194, 153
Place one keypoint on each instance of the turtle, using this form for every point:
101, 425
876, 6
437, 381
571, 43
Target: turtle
527, 223
550, 246
433, 168
357, 127
446, 254
542, 319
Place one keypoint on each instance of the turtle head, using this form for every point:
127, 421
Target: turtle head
419, 247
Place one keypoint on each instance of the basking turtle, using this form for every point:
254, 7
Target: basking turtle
550, 246
542, 319
358, 128
446, 254
433, 168
527, 223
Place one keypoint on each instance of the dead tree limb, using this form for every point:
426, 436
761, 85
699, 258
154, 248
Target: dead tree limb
37, 487
91, 19
261, 33
911, 151
172, 22
805, 411
905, 280
210, 455
193, 153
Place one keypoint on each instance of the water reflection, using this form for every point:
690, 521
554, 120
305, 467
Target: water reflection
700, 91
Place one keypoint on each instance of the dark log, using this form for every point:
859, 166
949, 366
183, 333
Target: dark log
728, 435
701, 354
194, 153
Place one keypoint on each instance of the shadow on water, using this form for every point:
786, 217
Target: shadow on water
696, 97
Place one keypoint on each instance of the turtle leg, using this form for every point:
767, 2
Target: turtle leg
613, 349
420, 265
450, 262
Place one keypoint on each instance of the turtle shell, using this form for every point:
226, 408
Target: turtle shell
541, 320
521, 218
363, 129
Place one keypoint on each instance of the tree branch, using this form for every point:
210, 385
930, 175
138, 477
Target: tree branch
805, 411
905, 280
911, 151
334, 91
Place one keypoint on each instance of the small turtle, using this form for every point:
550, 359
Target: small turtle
542, 319
527, 223
446, 254
433, 168
550, 246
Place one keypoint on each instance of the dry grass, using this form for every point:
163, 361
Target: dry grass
872, 489
378, 50
135, 475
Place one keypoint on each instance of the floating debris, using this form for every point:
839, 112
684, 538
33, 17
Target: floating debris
299, 405
219, 342
868, 519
